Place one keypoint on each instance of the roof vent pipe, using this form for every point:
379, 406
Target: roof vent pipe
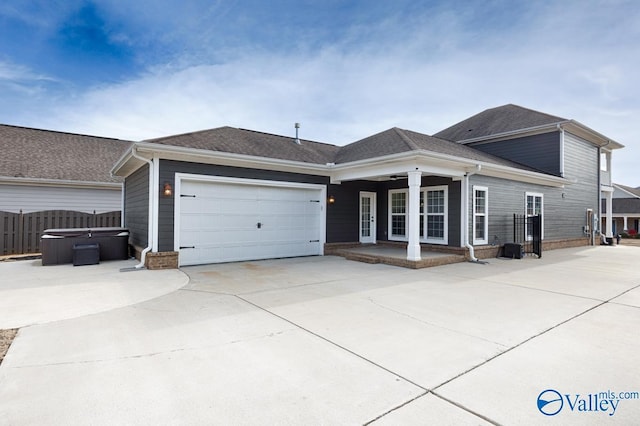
297, 126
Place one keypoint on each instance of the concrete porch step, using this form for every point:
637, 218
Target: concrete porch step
427, 262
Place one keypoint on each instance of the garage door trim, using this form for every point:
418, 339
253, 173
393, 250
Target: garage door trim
180, 177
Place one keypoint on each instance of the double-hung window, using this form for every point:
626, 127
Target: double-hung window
480, 215
436, 214
433, 214
398, 216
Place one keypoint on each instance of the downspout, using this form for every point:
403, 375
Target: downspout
146, 250
609, 213
465, 208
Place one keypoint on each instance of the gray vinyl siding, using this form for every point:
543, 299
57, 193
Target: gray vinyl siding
541, 152
168, 169
581, 160
564, 209
136, 206
33, 198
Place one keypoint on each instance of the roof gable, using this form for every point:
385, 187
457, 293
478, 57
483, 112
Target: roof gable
50, 155
494, 121
388, 142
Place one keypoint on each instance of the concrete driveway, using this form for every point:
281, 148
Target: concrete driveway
323, 340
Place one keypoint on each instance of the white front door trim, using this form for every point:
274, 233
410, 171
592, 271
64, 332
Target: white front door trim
367, 218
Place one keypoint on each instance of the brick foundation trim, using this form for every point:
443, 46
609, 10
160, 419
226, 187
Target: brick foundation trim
560, 244
487, 252
161, 260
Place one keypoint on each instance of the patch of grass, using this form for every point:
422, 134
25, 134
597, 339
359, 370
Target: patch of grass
6, 337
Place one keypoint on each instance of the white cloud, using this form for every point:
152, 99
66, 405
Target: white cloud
406, 74
18, 73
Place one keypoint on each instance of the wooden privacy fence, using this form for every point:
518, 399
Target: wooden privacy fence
20, 232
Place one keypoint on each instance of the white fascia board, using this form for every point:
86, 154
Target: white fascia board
381, 168
519, 133
169, 152
8, 180
592, 136
127, 164
518, 175
572, 126
440, 164
606, 188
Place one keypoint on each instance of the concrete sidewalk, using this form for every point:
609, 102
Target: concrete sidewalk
323, 340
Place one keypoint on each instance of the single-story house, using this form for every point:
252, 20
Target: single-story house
230, 194
625, 208
47, 170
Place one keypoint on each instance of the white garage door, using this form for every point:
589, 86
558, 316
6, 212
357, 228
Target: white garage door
228, 221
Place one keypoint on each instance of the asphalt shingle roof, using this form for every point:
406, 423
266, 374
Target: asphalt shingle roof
506, 118
624, 205
45, 154
250, 142
395, 141
258, 144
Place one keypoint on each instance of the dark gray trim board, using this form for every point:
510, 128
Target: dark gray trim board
541, 152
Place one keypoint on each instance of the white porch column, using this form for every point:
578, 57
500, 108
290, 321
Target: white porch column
413, 248
609, 215
626, 225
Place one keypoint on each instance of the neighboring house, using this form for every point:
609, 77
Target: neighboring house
46, 170
626, 208
230, 194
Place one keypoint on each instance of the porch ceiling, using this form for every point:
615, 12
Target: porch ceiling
384, 170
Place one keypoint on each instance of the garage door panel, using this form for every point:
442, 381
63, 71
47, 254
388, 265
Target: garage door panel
221, 221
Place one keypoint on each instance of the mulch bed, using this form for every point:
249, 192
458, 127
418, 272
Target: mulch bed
6, 337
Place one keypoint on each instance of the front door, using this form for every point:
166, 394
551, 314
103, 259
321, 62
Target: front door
367, 217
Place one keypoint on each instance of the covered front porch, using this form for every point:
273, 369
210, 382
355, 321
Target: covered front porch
410, 212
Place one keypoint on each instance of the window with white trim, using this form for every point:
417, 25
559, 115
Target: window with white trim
436, 215
533, 206
433, 214
480, 215
398, 214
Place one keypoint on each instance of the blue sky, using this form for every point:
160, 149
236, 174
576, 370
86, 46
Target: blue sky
343, 69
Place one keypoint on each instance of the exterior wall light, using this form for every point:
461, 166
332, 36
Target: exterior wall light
331, 199
167, 191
